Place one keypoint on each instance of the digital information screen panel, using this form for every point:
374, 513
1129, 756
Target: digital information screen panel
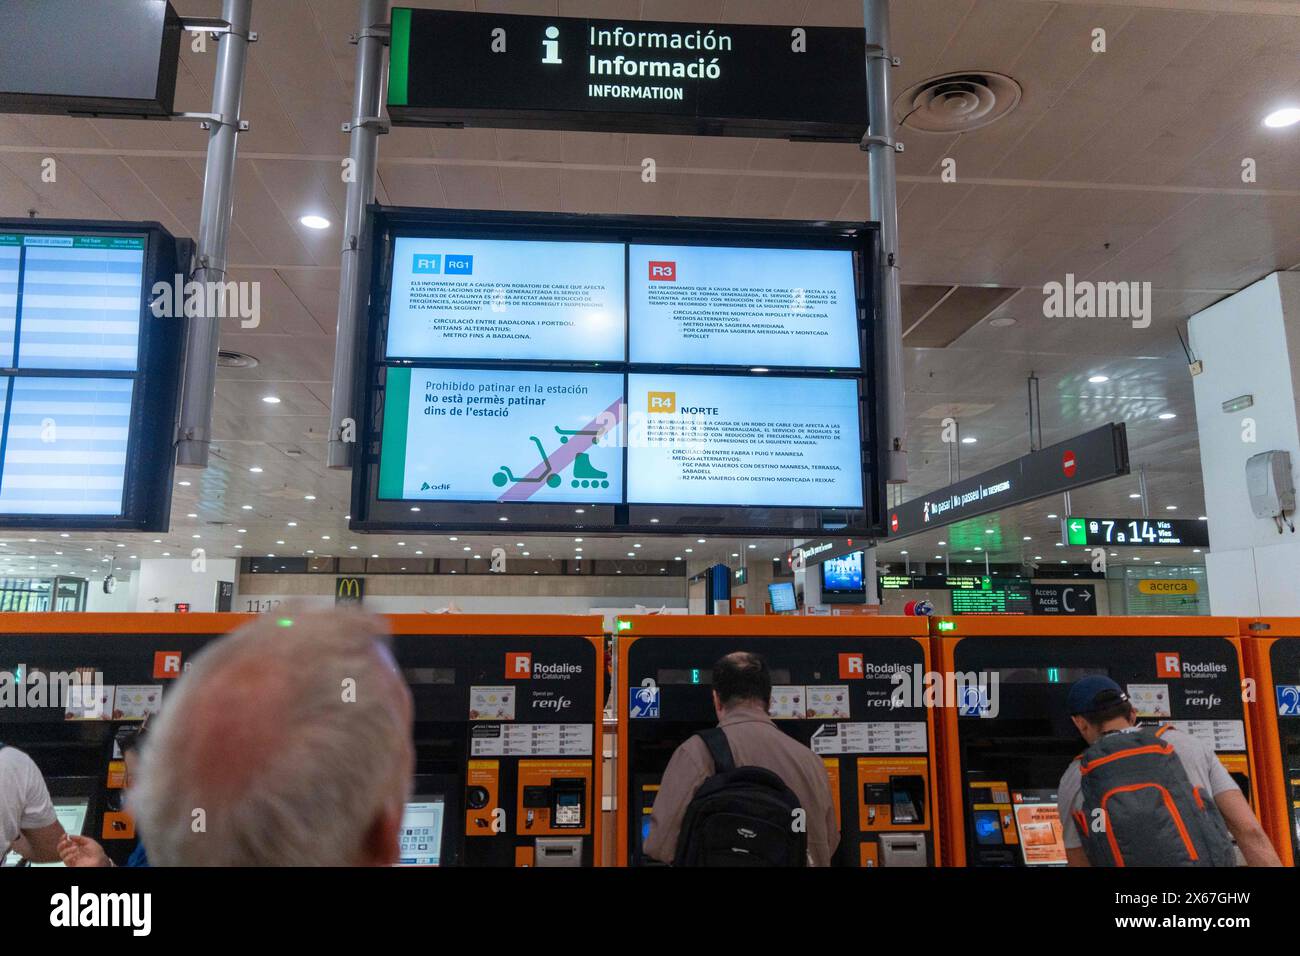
704, 439
467, 298
697, 305
1137, 532
647, 374
843, 575
87, 375
518, 436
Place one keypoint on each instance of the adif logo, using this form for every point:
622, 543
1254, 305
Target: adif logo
1098, 300
663, 271
850, 667
662, 403
132, 910
1169, 664
519, 665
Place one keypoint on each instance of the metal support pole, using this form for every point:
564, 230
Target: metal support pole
1035, 415
1142, 489
884, 208
363, 150
195, 432
869, 576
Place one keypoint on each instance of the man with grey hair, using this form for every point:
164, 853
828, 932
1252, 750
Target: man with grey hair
287, 743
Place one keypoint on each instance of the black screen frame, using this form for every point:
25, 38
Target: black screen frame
155, 402
370, 513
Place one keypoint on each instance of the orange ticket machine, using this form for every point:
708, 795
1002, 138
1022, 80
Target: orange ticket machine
507, 721
1007, 736
1272, 647
843, 686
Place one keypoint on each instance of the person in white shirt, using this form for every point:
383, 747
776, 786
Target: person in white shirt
28, 825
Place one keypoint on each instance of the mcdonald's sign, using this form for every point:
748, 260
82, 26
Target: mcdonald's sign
349, 590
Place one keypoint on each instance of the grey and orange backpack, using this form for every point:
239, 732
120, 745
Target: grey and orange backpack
1150, 813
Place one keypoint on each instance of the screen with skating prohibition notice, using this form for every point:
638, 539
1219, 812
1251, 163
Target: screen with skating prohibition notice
509, 436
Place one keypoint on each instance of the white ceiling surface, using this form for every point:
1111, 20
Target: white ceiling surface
1117, 166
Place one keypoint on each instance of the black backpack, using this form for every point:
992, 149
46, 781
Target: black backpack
1153, 815
741, 816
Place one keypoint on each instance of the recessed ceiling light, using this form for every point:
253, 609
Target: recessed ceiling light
654, 520
1165, 416
401, 544
690, 550
1027, 538
293, 524
1202, 518
308, 497
1051, 516
279, 542
503, 518
758, 368
578, 511
988, 530
313, 221
969, 440
243, 531
194, 536
324, 537
636, 545
415, 509
938, 556
1171, 507
1098, 379
183, 484
271, 399
256, 469
191, 515
246, 507
699, 541
577, 549
453, 538
351, 547
63, 535
901, 552
942, 543
752, 547
239, 547
1135, 495
1287, 116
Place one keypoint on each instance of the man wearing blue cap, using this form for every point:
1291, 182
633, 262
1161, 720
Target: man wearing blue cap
1137, 795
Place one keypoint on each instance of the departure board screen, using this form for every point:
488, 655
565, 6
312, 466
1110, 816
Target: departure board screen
74, 303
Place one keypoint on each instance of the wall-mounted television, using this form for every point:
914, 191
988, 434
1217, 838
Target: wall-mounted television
620, 374
842, 580
89, 376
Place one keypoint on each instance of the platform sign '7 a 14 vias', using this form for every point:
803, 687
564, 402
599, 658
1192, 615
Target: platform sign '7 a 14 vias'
1136, 532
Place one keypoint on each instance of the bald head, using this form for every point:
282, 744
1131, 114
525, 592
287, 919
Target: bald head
288, 743
741, 679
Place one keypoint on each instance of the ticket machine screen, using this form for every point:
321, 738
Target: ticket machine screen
420, 840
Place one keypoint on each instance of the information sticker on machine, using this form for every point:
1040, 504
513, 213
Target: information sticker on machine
830, 701
1150, 700
643, 702
1288, 700
492, 703
787, 702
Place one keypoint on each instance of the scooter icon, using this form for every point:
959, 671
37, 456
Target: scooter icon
549, 476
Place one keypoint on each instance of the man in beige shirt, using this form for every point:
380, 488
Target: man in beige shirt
742, 690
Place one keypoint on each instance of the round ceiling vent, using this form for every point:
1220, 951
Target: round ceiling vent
957, 102
228, 359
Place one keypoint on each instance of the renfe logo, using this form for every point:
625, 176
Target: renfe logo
460, 265
663, 272
427, 264
850, 666
519, 665
663, 403
1169, 664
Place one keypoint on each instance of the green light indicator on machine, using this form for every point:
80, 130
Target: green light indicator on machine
624, 625
946, 625
695, 675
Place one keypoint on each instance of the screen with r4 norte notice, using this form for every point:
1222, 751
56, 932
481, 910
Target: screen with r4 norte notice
643, 373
